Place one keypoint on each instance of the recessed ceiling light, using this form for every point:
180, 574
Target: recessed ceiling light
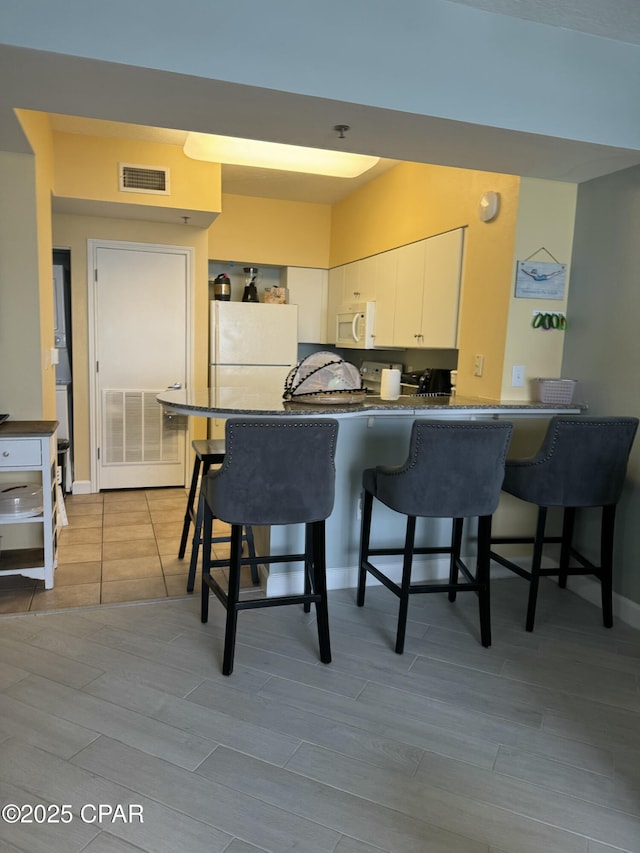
274, 155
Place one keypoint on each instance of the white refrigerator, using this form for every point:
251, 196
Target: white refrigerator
252, 345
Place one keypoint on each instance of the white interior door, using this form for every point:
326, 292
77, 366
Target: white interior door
141, 345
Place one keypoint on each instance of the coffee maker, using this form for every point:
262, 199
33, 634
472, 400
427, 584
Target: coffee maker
222, 287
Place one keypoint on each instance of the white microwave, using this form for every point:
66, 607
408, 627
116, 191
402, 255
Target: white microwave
355, 325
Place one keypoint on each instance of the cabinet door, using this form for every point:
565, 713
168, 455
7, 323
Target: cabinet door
367, 278
443, 264
352, 292
334, 301
407, 323
308, 290
385, 276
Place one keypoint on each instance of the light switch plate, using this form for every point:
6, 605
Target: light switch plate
517, 376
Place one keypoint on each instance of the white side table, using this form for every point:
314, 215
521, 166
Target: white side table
27, 446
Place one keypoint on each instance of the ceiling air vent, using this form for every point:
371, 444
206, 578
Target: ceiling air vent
143, 179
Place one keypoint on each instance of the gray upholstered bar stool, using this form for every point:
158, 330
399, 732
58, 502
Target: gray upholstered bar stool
582, 462
207, 452
275, 471
454, 470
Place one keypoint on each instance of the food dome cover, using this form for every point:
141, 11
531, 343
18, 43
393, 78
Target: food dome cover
324, 377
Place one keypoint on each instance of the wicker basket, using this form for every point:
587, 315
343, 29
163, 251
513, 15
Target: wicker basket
556, 390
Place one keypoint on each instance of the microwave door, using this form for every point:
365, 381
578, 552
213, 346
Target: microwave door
347, 330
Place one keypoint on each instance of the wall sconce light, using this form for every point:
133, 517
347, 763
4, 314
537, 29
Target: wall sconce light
488, 206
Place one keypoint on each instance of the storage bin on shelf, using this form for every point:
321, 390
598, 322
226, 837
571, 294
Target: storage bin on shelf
556, 390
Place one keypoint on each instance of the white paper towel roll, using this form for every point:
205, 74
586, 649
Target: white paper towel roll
390, 384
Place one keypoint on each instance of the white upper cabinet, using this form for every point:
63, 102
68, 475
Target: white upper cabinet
334, 301
308, 289
382, 270
428, 292
416, 289
441, 297
407, 324
351, 287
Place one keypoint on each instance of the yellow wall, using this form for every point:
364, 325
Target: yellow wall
28, 192
20, 359
270, 231
73, 232
38, 130
413, 201
86, 167
546, 215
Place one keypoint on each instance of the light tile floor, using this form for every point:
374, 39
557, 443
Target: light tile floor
118, 547
531, 746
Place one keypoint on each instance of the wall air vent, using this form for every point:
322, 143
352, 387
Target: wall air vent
143, 179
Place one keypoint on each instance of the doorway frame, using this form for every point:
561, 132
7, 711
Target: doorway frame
93, 245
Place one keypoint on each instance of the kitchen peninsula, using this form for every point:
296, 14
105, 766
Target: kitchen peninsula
372, 432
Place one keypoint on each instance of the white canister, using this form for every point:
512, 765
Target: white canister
390, 384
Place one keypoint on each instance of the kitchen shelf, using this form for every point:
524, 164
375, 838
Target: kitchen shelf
23, 558
31, 447
22, 519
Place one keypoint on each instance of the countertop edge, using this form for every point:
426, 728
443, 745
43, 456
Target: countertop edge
176, 402
27, 429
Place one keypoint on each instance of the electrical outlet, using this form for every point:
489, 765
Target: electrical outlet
517, 376
478, 365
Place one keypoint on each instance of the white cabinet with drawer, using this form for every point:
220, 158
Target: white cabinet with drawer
28, 449
20, 454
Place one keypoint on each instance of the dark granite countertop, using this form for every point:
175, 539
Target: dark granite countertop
230, 401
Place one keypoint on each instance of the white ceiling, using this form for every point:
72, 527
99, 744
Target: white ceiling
614, 19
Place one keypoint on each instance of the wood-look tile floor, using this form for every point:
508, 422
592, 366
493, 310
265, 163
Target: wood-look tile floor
531, 746
117, 547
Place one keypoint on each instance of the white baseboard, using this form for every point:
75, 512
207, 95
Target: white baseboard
432, 569
81, 487
623, 608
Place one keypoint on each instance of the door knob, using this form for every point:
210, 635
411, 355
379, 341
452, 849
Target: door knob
175, 387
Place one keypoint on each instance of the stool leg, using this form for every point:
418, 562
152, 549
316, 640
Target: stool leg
365, 534
606, 563
188, 514
535, 567
197, 534
565, 550
206, 563
483, 578
317, 534
195, 545
233, 595
251, 546
309, 543
406, 582
456, 543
